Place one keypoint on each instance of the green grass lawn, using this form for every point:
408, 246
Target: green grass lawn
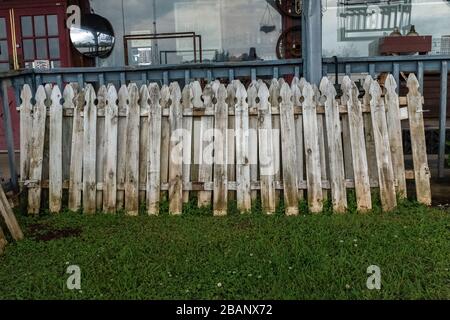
197, 256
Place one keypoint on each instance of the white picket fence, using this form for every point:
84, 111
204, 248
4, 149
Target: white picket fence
117, 150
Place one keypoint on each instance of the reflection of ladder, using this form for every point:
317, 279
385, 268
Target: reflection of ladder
368, 20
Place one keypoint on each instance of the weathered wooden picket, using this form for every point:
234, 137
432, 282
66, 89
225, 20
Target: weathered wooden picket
114, 150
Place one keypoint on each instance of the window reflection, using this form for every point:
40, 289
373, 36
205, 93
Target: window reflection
230, 30
354, 27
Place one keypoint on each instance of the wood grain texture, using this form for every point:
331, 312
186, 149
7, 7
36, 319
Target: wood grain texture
9, 217
90, 152
368, 134
132, 153
176, 151
76, 159
122, 144
143, 139
188, 123
26, 127
154, 151
418, 142
267, 166
37, 151
289, 151
55, 165
312, 151
394, 126
358, 145
335, 151
220, 196
382, 149
111, 132
244, 200
206, 146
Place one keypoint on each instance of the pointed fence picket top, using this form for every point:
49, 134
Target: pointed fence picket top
154, 151
37, 151
418, 143
358, 145
26, 127
144, 104
55, 145
266, 152
132, 152
312, 151
188, 123
335, 151
111, 136
90, 152
76, 159
289, 151
395, 135
220, 194
382, 148
176, 151
243, 189
205, 174
122, 137
121, 148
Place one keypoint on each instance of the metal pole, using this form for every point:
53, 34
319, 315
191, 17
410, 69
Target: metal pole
313, 41
443, 119
155, 42
7, 124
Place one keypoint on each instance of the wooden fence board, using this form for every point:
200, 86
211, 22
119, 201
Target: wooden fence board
395, 135
154, 148
26, 127
55, 164
334, 138
76, 159
289, 150
101, 148
37, 151
111, 132
132, 160
252, 135
207, 143
358, 146
298, 119
220, 195
122, 144
90, 152
312, 151
176, 152
165, 135
368, 134
9, 217
143, 139
266, 152
231, 153
382, 149
274, 91
418, 145
244, 200
188, 123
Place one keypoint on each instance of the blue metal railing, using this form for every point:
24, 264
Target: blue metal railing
228, 71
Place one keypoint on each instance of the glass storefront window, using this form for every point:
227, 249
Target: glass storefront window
230, 30
352, 28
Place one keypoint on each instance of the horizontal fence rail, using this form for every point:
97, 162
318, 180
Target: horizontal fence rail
226, 72
120, 147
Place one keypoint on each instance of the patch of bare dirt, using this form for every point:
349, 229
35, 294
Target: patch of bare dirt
45, 233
